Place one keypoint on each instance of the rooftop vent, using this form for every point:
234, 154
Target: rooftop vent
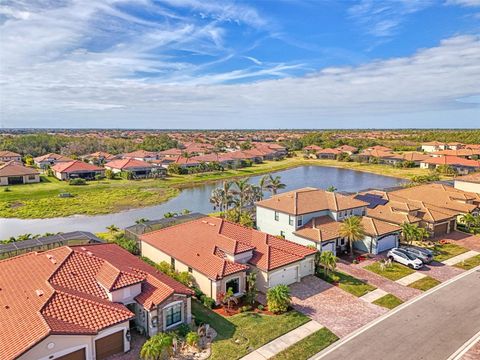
39, 292
89, 253
83, 248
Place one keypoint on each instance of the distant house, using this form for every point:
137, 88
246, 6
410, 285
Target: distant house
6, 156
219, 254
472, 154
328, 153
98, 158
83, 302
76, 169
414, 157
12, 173
312, 149
469, 183
170, 153
141, 155
433, 146
350, 150
139, 168
461, 165
50, 159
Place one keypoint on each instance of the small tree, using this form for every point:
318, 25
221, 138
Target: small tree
192, 339
158, 347
278, 299
331, 188
109, 174
228, 298
252, 291
328, 261
112, 229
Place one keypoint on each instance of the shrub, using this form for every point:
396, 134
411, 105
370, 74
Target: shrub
192, 339
78, 181
182, 330
260, 307
99, 177
109, 174
198, 293
278, 299
7, 189
159, 346
208, 302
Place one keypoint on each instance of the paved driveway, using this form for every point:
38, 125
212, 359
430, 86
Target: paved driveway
332, 307
356, 270
468, 241
440, 271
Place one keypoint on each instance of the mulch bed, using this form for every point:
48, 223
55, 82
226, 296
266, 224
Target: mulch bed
235, 309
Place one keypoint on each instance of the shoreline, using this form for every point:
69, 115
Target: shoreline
180, 182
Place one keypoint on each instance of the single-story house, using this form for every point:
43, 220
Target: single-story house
79, 302
12, 173
50, 159
139, 168
98, 158
219, 254
141, 155
433, 146
461, 165
470, 183
328, 153
76, 169
350, 150
6, 156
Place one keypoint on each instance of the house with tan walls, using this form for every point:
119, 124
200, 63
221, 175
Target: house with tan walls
470, 183
12, 173
219, 254
79, 302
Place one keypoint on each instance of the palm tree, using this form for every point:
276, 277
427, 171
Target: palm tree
112, 229
216, 198
159, 346
408, 232
275, 184
421, 234
226, 195
331, 188
468, 220
243, 187
141, 221
352, 229
263, 183
328, 261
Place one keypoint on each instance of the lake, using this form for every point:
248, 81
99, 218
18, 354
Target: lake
196, 199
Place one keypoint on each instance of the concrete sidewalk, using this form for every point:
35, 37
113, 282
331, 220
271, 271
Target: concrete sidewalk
459, 258
279, 344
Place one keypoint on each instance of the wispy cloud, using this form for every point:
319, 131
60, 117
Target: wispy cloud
466, 3
384, 18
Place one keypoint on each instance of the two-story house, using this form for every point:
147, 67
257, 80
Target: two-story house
313, 217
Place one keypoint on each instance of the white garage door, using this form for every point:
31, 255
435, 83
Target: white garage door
286, 276
329, 247
386, 243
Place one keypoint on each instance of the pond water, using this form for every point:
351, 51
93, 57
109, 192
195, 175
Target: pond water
196, 199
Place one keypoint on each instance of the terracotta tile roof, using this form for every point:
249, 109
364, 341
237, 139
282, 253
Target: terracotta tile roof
74, 166
52, 156
330, 151
473, 178
312, 148
203, 243
130, 163
347, 148
322, 228
99, 154
12, 168
374, 227
452, 160
459, 152
389, 214
6, 153
140, 154
308, 200
57, 292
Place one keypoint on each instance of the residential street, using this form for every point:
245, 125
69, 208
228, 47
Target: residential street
432, 328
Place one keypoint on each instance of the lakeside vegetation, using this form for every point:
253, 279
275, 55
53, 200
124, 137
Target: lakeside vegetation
42, 200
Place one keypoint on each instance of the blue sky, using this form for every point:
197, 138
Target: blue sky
240, 64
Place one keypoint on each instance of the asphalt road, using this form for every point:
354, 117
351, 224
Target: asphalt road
432, 328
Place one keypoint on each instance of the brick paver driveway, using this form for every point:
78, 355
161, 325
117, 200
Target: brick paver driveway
332, 307
440, 271
468, 241
356, 270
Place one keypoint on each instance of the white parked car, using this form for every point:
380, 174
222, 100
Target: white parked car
404, 258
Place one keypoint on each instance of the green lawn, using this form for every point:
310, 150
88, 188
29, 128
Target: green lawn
446, 251
350, 284
394, 272
425, 283
107, 196
307, 347
388, 301
469, 263
239, 334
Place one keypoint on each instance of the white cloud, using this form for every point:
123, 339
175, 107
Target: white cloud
63, 66
467, 3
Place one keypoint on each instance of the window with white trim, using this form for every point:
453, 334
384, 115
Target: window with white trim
290, 220
173, 314
300, 221
276, 215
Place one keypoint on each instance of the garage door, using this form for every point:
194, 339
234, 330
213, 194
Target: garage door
286, 276
329, 247
386, 243
440, 229
76, 355
109, 345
